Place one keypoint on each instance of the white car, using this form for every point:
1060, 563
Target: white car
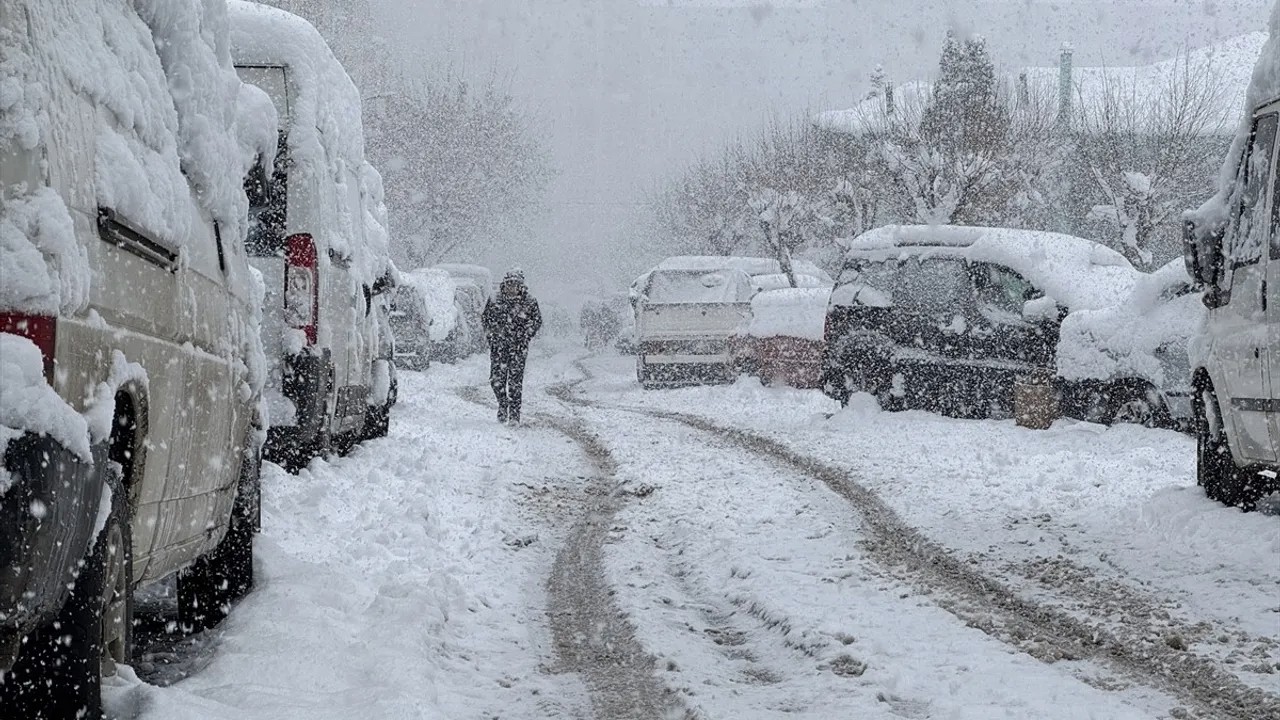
130, 356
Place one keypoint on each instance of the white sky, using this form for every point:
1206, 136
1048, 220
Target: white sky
629, 91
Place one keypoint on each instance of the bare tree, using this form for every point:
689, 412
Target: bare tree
461, 164
1145, 153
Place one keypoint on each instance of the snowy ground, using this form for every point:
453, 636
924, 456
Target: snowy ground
736, 551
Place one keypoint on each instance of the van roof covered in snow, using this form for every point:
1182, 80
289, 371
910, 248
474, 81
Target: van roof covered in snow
1077, 273
325, 131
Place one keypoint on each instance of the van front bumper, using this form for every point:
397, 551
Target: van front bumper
47, 519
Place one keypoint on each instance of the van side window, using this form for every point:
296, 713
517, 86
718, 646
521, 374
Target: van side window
268, 202
1251, 225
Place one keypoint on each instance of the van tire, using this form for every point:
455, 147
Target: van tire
59, 673
1216, 471
207, 589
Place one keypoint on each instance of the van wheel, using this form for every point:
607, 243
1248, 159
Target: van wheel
1216, 472
59, 673
224, 575
117, 586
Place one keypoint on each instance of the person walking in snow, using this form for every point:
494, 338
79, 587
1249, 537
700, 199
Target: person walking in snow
511, 319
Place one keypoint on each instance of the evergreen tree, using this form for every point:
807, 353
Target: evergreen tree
965, 115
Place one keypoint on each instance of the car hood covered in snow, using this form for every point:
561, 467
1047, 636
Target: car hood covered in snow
1146, 336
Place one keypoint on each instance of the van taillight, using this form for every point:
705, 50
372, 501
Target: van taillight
39, 329
301, 285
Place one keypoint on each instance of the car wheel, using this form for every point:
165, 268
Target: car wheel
225, 574
1138, 406
59, 673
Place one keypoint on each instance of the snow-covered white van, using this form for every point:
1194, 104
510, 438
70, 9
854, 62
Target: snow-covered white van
310, 237
130, 362
1233, 249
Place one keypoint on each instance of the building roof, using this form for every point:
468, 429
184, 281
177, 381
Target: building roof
1228, 62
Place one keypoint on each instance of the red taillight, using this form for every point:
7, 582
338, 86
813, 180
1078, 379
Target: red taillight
301, 285
39, 329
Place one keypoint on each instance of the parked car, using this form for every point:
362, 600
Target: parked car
947, 318
411, 326
783, 340
686, 310
311, 238
1131, 359
130, 359
1232, 250
432, 328
470, 299
477, 274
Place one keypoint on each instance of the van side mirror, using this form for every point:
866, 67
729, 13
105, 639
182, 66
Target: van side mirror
383, 284
1202, 251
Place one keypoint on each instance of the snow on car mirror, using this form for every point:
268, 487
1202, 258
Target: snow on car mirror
1044, 309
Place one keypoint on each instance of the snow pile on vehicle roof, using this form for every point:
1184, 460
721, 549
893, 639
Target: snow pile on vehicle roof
437, 290
480, 274
377, 238
1145, 336
326, 135
1263, 86
749, 265
167, 131
1078, 273
789, 312
777, 281
28, 403
222, 125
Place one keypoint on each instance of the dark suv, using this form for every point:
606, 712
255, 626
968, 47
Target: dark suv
947, 318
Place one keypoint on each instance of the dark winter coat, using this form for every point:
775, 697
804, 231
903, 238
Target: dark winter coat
511, 322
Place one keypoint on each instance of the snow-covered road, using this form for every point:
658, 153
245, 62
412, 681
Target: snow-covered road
735, 552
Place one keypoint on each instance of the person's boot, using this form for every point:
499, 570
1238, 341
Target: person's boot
503, 413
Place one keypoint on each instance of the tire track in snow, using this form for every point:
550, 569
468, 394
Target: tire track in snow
983, 601
592, 636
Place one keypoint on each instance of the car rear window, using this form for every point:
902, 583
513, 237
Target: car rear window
693, 287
